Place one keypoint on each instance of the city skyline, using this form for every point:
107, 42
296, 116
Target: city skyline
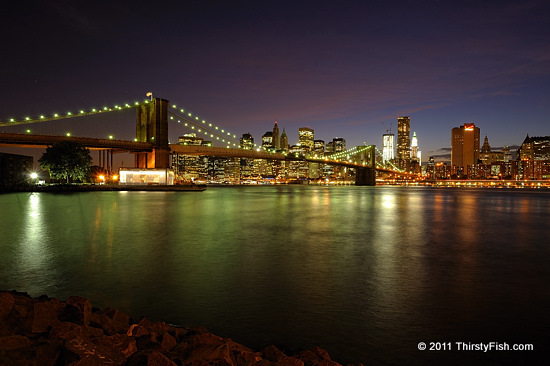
346, 69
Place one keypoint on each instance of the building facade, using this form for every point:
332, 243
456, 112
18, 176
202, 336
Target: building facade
464, 150
404, 142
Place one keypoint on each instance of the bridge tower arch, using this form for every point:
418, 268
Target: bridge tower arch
152, 127
366, 176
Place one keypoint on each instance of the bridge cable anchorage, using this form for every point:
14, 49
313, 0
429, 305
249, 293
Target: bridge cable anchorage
203, 127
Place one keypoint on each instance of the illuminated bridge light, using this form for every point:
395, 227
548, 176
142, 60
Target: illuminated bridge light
68, 134
69, 114
81, 112
27, 118
28, 131
41, 116
56, 115
136, 103
174, 106
181, 110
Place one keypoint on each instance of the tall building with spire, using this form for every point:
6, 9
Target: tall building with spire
284, 141
275, 137
416, 155
404, 142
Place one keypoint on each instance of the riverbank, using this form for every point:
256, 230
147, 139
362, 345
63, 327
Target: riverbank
60, 188
46, 331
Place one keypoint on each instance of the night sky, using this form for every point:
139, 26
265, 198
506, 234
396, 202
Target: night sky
344, 68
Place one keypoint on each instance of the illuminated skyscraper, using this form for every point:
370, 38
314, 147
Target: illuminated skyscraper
305, 138
404, 142
388, 152
267, 141
464, 149
275, 137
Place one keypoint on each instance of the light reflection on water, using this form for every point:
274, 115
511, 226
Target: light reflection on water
365, 272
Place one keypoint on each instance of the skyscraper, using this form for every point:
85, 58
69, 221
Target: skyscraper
404, 142
388, 152
275, 136
464, 149
305, 138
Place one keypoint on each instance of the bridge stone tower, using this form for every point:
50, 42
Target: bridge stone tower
366, 176
152, 127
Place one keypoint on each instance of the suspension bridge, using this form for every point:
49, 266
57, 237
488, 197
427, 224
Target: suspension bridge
152, 149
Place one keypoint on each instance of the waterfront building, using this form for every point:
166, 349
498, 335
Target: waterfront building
404, 142
316, 169
275, 137
297, 169
247, 164
388, 150
190, 167
464, 149
15, 169
534, 158
305, 138
487, 156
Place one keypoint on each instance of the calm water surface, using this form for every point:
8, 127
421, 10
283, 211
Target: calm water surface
365, 272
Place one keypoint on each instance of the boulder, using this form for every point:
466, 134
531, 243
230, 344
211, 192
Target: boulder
77, 310
45, 315
149, 358
315, 357
6, 304
13, 342
111, 321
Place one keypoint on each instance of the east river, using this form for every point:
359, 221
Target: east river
367, 273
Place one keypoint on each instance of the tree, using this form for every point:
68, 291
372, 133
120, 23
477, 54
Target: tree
66, 160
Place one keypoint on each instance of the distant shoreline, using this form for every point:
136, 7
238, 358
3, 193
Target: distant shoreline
61, 188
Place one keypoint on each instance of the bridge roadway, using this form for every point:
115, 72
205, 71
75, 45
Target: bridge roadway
39, 141
253, 154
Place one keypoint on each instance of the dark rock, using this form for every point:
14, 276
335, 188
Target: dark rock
12, 342
148, 341
6, 304
168, 342
272, 353
315, 356
149, 358
48, 332
67, 330
111, 321
118, 343
21, 315
85, 352
77, 310
47, 353
45, 315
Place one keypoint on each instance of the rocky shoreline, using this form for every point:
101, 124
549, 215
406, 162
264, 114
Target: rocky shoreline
46, 331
